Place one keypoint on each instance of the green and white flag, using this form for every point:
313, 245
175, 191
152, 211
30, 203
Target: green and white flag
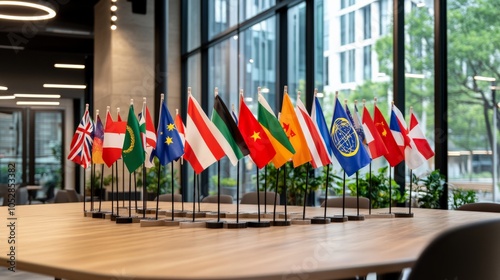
133, 150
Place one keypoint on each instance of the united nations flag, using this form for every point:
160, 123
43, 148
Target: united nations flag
346, 144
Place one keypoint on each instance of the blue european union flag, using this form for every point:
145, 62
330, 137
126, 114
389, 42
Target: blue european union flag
168, 142
346, 145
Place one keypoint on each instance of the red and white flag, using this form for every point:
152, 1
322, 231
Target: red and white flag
315, 143
376, 146
114, 135
149, 137
413, 158
202, 147
81, 144
418, 137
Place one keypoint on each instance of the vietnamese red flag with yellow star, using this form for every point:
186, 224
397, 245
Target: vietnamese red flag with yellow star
394, 155
261, 148
293, 130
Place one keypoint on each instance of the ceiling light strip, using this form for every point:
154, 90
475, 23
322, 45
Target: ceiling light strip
7, 97
47, 103
64, 86
3, 88
34, 95
69, 66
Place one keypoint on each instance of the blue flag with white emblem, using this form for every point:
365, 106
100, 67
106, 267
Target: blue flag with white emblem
346, 145
168, 143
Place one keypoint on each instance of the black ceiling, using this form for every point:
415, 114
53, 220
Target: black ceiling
29, 49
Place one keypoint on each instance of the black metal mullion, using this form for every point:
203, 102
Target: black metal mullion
204, 77
310, 55
281, 55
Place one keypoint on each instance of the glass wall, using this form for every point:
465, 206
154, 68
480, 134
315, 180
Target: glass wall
11, 144
473, 69
297, 51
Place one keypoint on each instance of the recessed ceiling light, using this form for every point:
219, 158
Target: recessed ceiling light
113, 26
3, 88
53, 103
64, 86
35, 95
69, 66
50, 13
114, 8
7, 97
114, 18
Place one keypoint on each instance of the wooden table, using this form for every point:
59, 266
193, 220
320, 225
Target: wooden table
57, 240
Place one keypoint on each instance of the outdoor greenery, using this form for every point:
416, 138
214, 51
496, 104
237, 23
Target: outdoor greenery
429, 189
378, 191
460, 197
152, 178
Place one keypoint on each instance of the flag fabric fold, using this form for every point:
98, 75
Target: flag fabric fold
233, 144
98, 142
202, 147
347, 148
293, 130
133, 149
114, 135
413, 158
419, 138
376, 146
359, 130
394, 155
272, 128
148, 135
259, 144
314, 140
169, 146
81, 144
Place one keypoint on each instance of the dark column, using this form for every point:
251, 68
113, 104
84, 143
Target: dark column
399, 76
309, 53
161, 51
441, 95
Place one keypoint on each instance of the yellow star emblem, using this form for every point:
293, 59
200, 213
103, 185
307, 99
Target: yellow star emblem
255, 136
170, 126
169, 141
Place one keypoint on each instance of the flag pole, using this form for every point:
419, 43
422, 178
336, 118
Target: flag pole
409, 214
92, 176
390, 191
127, 220
101, 188
276, 193
112, 191
117, 201
172, 187
144, 192
370, 189
324, 220
218, 223
258, 223
265, 189
237, 224
341, 218
84, 192
305, 191
158, 193
285, 222
357, 217
194, 196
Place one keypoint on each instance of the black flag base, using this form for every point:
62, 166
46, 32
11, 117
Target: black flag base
320, 220
113, 217
355, 217
215, 224
235, 225
300, 221
124, 220
339, 219
403, 215
280, 223
257, 224
99, 215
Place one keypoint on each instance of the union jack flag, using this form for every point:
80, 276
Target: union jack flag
81, 145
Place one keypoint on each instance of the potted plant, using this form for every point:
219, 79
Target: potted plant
152, 180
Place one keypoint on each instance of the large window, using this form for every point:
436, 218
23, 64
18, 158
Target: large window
296, 51
347, 28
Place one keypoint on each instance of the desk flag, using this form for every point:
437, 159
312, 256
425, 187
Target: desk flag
114, 135
272, 127
394, 155
81, 144
133, 151
413, 158
347, 148
419, 138
319, 119
169, 145
202, 145
291, 126
376, 146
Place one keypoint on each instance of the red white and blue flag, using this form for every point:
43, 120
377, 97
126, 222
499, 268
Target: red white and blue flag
81, 144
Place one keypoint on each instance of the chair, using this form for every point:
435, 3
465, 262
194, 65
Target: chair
22, 196
468, 252
168, 197
251, 198
224, 198
62, 197
46, 194
480, 207
74, 196
350, 202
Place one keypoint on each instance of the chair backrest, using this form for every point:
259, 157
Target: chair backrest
265, 198
62, 197
467, 252
480, 207
224, 198
350, 202
22, 195
73, 196
168, 197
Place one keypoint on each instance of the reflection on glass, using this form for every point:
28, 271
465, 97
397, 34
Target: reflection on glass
48, 150
472, 136
11, 148
193, 81
249, 8
296, 51
193, 24
222, 14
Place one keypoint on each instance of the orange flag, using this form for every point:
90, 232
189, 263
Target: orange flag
291, 126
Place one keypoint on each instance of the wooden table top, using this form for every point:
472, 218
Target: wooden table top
57, 240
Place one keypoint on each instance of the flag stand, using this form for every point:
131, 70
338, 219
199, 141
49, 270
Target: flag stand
237, 224
193, 223
172, 221
84, 195
114, 216
324, 220
304, 221
284, 222
218, 223
276, 194
100, 214
112, 192
409, 214
265, 190
258, 223
149, 221
356, 217
370, 187
135, 192
129, 219
341, 218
